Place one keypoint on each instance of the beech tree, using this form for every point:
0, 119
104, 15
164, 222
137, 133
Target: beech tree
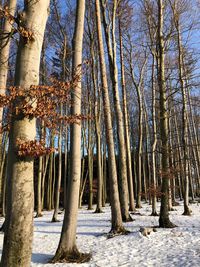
19, 216
5, 41
117, 226
164, 214
67, 250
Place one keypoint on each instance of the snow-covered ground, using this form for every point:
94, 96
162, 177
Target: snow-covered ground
178, 247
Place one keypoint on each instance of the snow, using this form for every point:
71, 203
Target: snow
178, 247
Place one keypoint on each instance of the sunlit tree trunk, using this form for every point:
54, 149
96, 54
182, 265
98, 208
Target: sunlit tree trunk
17, 245
67, 250
112, 56
117, 226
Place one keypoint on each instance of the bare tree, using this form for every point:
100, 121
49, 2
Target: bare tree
67, 250
117, 226
164, 214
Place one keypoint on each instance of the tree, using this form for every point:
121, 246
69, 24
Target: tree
176, 14
164, 214
126, 126
67, 250
112, 57
117, 226
19, 216
5, 42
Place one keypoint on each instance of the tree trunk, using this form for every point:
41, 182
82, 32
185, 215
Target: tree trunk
67, 250
39, 188
17, 245
58, 180
184, 115
4, 58
117, 226
112, 56
126, 126
164, 213
97, 111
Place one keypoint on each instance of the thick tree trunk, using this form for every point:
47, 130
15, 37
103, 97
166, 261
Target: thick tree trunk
19, 227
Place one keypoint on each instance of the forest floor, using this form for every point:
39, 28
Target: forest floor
178, 247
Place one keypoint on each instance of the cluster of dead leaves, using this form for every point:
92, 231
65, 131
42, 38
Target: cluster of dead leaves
42, 102
32, 148
27, 34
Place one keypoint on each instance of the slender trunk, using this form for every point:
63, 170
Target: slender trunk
97, 111
43, 180
154, 145
104, 175
140, 140
117, 226
112, 56
39, 182
39, 188
49, 184
65, 166
3, 175
67, 250
184, 120
164, 213
195, 136
58, 180
126, 126
4, 58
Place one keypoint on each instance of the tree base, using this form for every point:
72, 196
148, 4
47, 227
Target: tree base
138, 206
98, 210
71, 257
54, 220
132, 209
154, 213
187, 212
165, 223
117, 231
127, 219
